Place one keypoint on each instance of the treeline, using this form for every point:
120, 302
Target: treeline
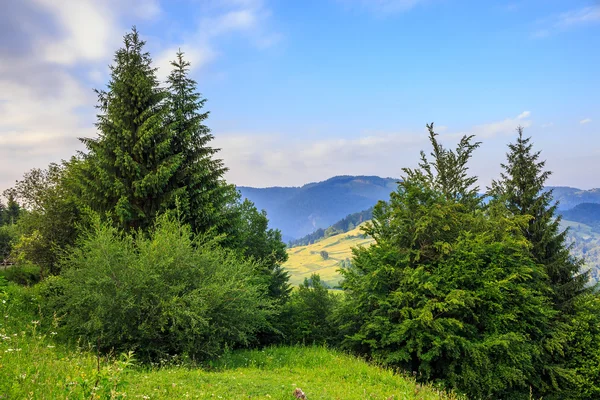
344, 225
140, 244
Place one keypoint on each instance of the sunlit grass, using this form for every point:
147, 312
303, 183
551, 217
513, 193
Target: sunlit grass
34, 366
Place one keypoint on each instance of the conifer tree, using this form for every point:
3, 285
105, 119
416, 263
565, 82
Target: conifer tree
204, 196
129, 166
521, 188
448, 290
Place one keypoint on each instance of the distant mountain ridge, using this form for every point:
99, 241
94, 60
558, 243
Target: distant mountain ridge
298, 211
569, 197
302, 210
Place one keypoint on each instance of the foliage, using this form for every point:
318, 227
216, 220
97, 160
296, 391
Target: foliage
309, 313
448, 290
161, 295
10, 213
583, 354
203, 195
53, 218
8, 237
254, 239
521, 189
22, 274
324, 254
130, 167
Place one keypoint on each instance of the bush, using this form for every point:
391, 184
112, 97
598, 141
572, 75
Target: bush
308, 313
25, 274
8, 236
161, 295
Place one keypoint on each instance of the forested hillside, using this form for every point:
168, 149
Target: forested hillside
298, 211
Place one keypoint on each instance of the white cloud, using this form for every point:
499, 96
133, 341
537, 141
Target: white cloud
585, 121
89, 30
275, 160
248, 18
506, 126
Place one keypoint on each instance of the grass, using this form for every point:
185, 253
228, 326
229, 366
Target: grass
306, 260
34, 366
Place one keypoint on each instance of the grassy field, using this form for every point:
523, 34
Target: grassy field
306, 260
34, 366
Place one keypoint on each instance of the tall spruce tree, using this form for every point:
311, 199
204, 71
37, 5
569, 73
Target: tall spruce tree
521, 189
130, 165
205, 198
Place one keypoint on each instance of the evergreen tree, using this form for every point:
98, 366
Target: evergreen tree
449, 289
205, 198
521, 189
12, 211
130, 165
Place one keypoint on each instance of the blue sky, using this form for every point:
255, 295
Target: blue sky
301, 91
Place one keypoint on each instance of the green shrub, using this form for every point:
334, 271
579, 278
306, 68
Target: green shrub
8, 237
161, 295
308, 313
25, 275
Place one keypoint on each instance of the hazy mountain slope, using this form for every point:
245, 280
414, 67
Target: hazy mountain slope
299, 211
569, 197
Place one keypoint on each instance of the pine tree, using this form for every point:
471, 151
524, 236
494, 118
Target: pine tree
129, 166
521, 188
204, 196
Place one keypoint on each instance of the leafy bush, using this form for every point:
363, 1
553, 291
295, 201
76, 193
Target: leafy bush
160, 295
308, 313
25, 274
8, 236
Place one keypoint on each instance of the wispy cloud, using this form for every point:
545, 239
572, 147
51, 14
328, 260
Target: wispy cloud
383, 7
273, 159
506, 126
249, 18
585, 121
567, 20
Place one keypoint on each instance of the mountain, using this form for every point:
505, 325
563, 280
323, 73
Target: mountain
584, 213
569, 197
344, 225
298, 211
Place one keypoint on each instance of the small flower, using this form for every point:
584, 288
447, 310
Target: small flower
50, 347
53, 333
9, 350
